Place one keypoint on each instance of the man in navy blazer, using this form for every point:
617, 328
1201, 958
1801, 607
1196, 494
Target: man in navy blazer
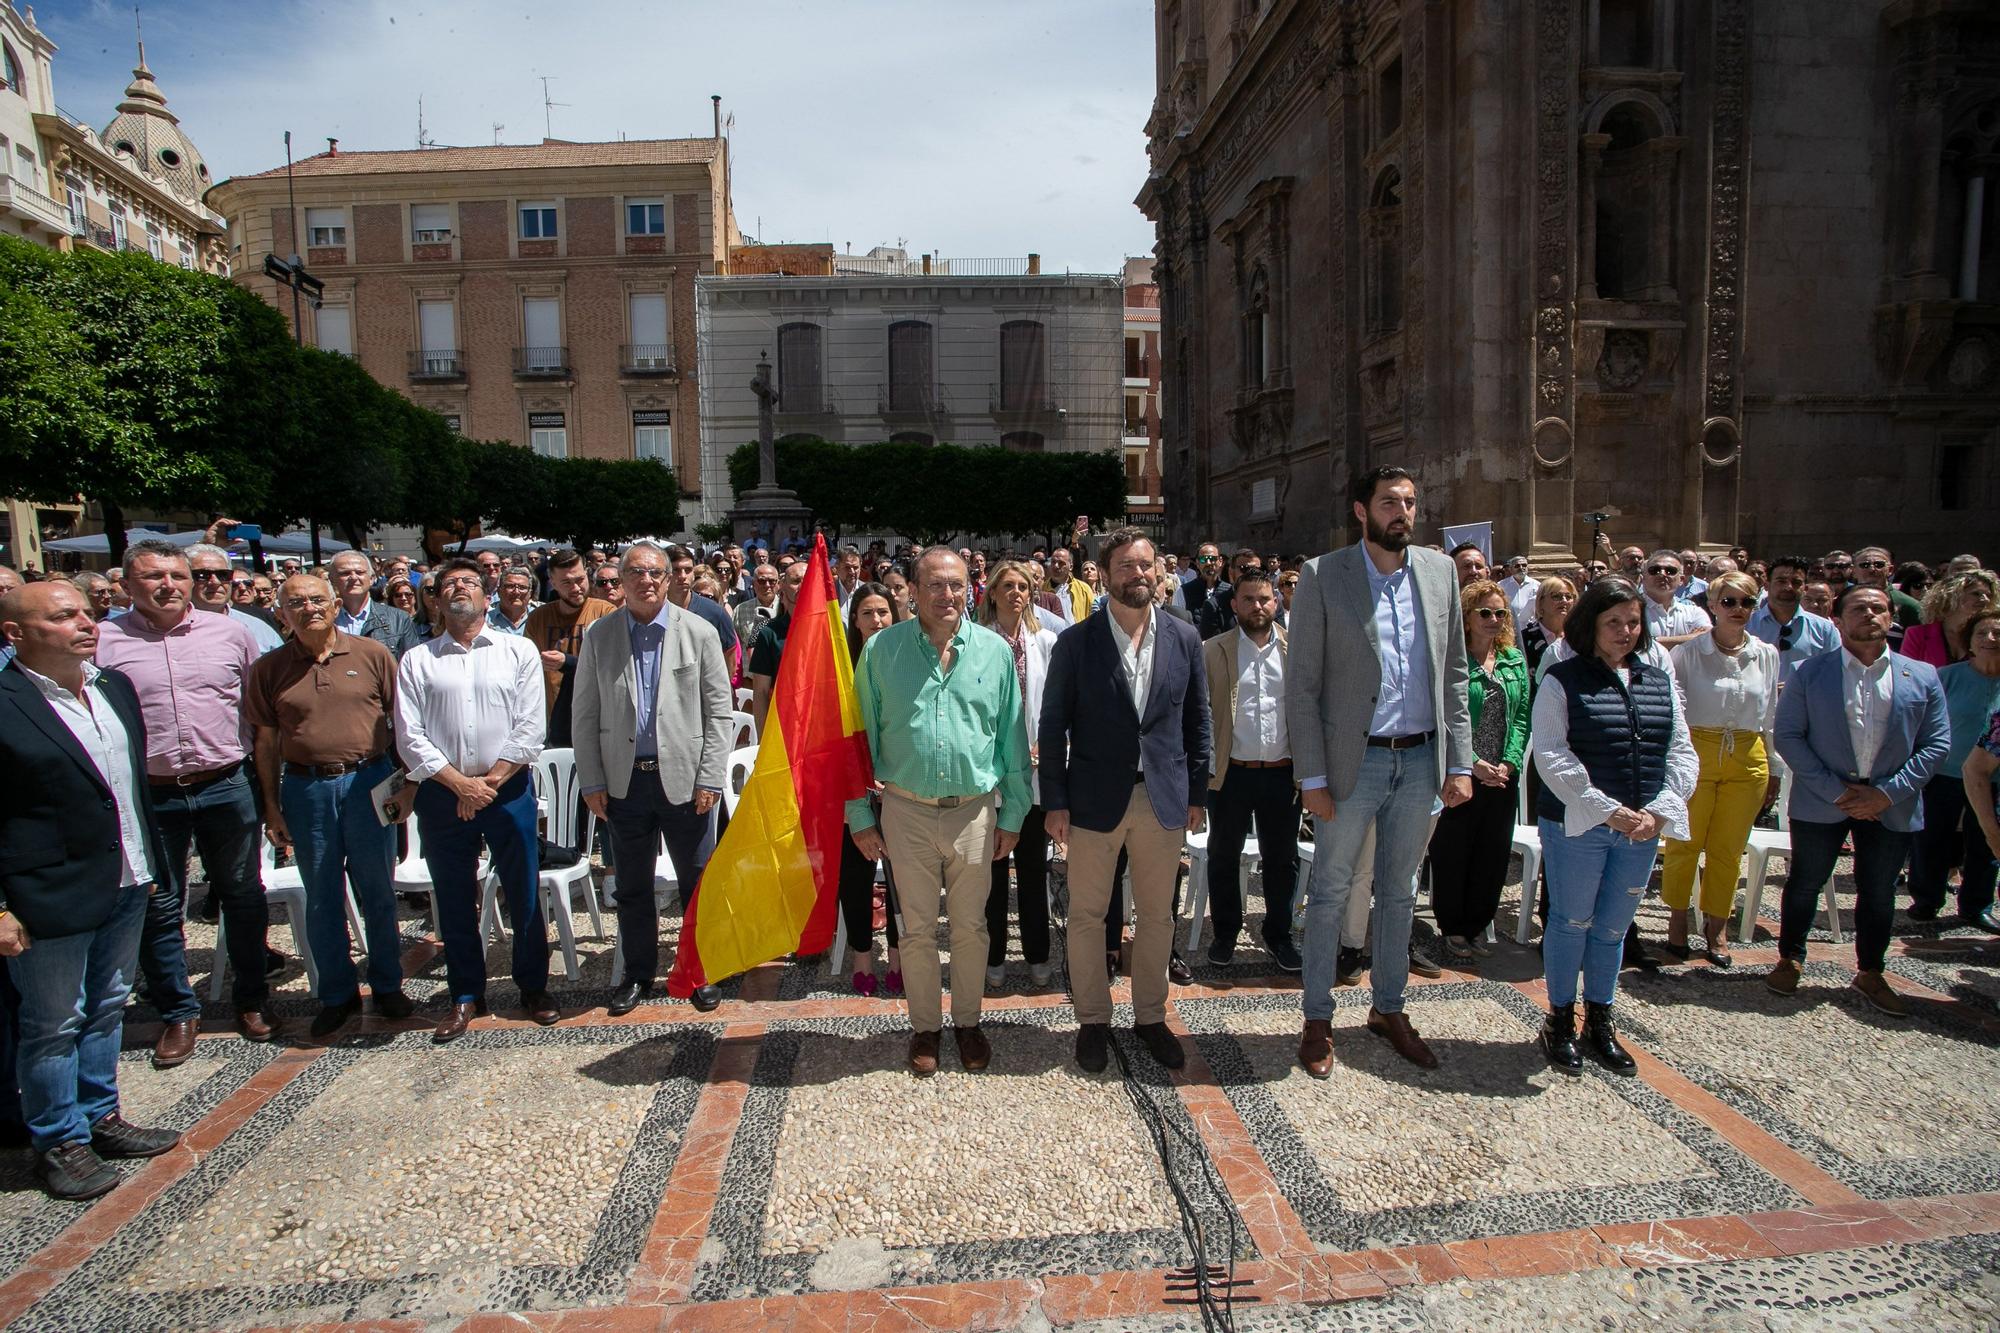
1124, 757
78, 853
1862, 730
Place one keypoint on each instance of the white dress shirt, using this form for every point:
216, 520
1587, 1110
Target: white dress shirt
469, 708
1866, 693
1521, 596
1674, 619
101, 732
1584, 806
1138, 659
1730, 692
1257, 732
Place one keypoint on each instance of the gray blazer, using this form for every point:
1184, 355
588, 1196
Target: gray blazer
392, 628
690, 720
1333, 669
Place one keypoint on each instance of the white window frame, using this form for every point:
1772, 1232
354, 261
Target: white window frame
549, 441
550, 348
538, 207
325, 235
430, 235
118, 225
652, 203
632, 331
339, 312
155, 243
77, 202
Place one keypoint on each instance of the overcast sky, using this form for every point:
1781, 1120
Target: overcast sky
973, 131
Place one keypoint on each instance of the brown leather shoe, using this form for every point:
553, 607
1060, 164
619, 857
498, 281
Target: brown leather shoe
1874, 988
1396, 1029
974, 1051
175, 1043
452, 1026
253, 1025
1784, 978
923, 1053
541, 1007
1316, 1047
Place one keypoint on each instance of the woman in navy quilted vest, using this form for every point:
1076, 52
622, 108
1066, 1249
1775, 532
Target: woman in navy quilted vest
1617, 768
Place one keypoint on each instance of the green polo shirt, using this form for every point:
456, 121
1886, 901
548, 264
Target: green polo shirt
938, 735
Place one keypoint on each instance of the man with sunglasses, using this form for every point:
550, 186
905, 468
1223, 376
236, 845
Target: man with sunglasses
1874, 567
211, 570
1207, 582
1838, 568
1670, 620
606, 586
760, 607
1781, 620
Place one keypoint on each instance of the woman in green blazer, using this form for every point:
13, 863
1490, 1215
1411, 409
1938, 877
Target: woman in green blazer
1471, 843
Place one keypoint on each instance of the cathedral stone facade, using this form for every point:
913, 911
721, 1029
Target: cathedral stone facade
1698, 271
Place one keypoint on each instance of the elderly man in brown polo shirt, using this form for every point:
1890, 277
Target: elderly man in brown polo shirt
322, 706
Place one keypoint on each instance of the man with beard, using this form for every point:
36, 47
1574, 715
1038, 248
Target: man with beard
469, 724
1379, 730
556, 629
1124, 748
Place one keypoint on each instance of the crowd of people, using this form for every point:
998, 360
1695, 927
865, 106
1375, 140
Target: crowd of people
1400, 706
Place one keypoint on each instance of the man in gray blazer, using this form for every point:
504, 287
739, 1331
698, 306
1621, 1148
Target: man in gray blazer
651, 730
353, 573
1376, 710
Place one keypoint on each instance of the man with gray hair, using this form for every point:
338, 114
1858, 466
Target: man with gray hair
209, 566
362, 616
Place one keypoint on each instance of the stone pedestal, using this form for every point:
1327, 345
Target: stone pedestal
769, 513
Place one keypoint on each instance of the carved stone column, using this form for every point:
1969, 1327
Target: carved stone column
1552, 435
1586, 212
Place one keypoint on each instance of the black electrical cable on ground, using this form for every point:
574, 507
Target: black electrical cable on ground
1216, 1312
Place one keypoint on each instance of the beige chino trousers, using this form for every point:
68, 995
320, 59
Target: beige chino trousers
1154, 855
937, 852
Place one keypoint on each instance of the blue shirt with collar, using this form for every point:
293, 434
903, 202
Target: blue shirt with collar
648, 640
351, 624
1805, 635
1403, 707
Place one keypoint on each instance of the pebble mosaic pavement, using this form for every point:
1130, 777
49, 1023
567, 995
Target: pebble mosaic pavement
1775, 1165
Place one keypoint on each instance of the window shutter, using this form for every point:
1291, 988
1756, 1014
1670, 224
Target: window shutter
336, 329
649, 319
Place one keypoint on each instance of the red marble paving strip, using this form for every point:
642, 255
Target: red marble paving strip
61, 1256
1811, 1230
1687, 1240
1075, 1297
1952, 1215
665, 1270
366, 1326
1539, 1254
1409, 1265
1274, 1225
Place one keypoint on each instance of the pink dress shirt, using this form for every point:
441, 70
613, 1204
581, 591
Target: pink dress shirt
190, 684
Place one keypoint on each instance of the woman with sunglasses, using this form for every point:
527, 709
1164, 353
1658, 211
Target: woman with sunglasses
1471, 842
1730, 679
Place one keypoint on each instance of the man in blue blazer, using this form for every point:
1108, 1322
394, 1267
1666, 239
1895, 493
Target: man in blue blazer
1862, 729
1124, 757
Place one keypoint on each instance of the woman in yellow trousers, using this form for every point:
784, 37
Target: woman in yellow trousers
1730, 678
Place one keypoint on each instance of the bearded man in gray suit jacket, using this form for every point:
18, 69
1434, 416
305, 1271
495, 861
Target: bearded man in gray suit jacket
1375, 690
651, 730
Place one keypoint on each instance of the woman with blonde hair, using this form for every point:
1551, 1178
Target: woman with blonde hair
1949, 606
1471, 842
1008, 609
1730, 680
1553, 600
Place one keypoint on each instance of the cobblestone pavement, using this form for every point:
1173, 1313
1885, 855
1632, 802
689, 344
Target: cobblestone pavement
1777, 1164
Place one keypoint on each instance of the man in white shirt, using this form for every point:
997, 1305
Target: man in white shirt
1862, 730
1253, 773
470, 723
1670, 621
1521, 589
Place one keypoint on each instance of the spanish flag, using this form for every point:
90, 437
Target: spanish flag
772, 886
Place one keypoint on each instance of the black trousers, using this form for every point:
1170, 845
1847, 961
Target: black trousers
1268, 797
1030, 859
638, 821
1878, 857
1950, 836
1469, 850
857, 898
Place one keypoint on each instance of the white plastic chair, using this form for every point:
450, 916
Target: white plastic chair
1197, 894
742, 730
743, 697
1766, 844
413, 875
741, 762
284, 887
1528, 842
556, 788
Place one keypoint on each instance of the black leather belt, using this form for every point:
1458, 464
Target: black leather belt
1400, 742
1266, 763
646, 765
330, 770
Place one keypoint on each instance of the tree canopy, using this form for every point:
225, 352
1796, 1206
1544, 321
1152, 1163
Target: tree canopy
133, 383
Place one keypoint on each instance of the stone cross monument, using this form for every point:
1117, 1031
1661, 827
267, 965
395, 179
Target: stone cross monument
767, 510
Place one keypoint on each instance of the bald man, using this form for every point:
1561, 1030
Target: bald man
76, 818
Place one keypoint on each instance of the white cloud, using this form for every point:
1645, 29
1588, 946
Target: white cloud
956, 127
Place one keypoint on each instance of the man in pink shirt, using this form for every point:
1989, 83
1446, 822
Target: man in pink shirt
189, 670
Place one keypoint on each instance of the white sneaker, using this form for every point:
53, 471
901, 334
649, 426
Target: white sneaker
995, 977
1041, 974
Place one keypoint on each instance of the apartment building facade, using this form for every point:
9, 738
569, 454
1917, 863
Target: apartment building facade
542, 294
993, 352
1145, 503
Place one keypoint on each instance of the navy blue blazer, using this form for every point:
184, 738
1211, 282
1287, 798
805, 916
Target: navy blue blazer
1093, 739
59, 853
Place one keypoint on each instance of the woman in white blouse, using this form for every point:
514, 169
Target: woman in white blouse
1729, 682
1009, 610
1611, 742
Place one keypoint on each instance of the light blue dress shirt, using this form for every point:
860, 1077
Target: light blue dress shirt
355, 625
497, 619
647, 641
266, 637
1810, 635
1404, 706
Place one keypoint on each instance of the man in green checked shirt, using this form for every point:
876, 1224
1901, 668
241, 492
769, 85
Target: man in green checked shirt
941, 699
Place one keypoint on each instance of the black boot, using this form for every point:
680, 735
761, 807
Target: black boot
1558, 1039
1602, 1040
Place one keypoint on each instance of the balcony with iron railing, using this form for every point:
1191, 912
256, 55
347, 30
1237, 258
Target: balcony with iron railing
646, 358
1024, 406
541, 363
437, 364
902, 402
806, 401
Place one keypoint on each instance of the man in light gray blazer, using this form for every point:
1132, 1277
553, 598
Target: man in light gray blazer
651, 729
1376, 709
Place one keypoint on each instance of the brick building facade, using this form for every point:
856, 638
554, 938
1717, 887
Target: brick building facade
542, 294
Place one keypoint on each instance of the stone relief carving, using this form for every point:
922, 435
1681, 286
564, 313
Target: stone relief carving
1622, 364
1727, 179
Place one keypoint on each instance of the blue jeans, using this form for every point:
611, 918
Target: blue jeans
220, 820
72, 992
1595, 882
1396, 793
451, 851
340, 842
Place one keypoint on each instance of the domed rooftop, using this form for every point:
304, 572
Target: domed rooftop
149, 135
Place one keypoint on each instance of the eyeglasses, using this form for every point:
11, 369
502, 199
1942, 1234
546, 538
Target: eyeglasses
461, 581
1873, 564
1487, 613
210, 575
1288, 583
643, 573
1734, 603
301, 603
242, 583
1207, 559
1669, 570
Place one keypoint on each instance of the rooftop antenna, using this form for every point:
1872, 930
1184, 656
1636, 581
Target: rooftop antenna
548, 108
497, 127
424, 139
139, 28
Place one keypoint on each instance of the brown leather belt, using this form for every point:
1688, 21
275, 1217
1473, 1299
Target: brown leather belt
1260, 763
1400, 742
199, 778
330, 770
935, 802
